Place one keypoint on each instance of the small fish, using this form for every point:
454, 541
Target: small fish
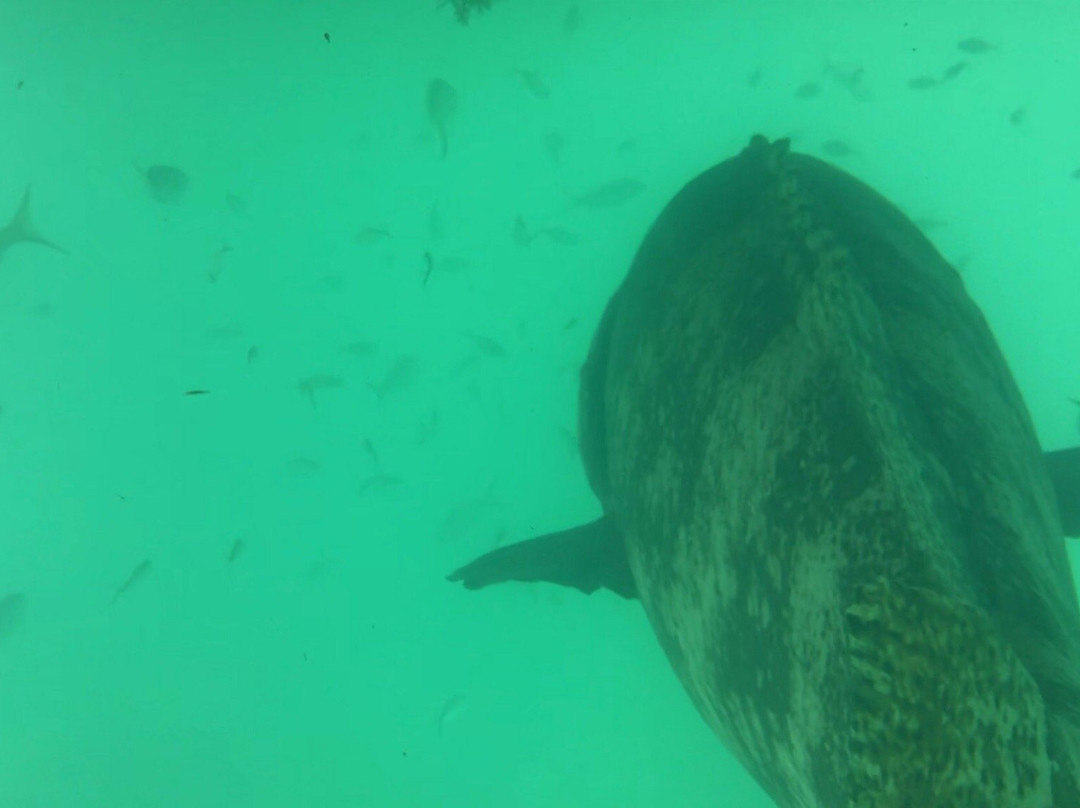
1076, 174
197, 392
610, 194
235, 551
224, 333
572, 19
1017, 116
560, 235
974, 45
850, 77
237, 204
442, 105
21, 229
554, 143
534, 84
485, 345
954, 70
379, 482
166, 184
367, 236
837, 148
304, 466
922, 82
326, 36
628, 146
369, 447
449, 712
398, 378
521, 235
12, 614
810, 89
142, 569
573, 321
429, 266
361, 349
320, 381
252, 354
754, 79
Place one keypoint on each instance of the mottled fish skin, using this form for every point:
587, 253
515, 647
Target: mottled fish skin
21, 229
442, 103
833, 500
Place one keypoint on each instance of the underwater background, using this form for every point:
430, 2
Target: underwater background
305, 337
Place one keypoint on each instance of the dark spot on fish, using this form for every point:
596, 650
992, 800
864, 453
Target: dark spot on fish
19, 86
1017, 116
252, 354
196, 392
974, 45
810, 89
922, 82
954, 70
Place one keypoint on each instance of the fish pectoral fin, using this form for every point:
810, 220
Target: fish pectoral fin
587, 557
1064, 469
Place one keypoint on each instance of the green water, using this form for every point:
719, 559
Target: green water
390, 376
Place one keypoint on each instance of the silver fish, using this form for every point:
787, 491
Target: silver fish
610, 194
141, 570
236, 551
320, 381
442, 104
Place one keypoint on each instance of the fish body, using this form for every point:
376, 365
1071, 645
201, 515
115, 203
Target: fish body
610, 194
819, 478
141, 571
442, 104
534, 84
235, 551
166, 185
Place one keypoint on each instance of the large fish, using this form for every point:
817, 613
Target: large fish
820, 479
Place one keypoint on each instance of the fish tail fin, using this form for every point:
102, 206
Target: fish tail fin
21, 228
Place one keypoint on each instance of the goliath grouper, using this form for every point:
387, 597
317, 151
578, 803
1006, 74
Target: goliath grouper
821, 481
